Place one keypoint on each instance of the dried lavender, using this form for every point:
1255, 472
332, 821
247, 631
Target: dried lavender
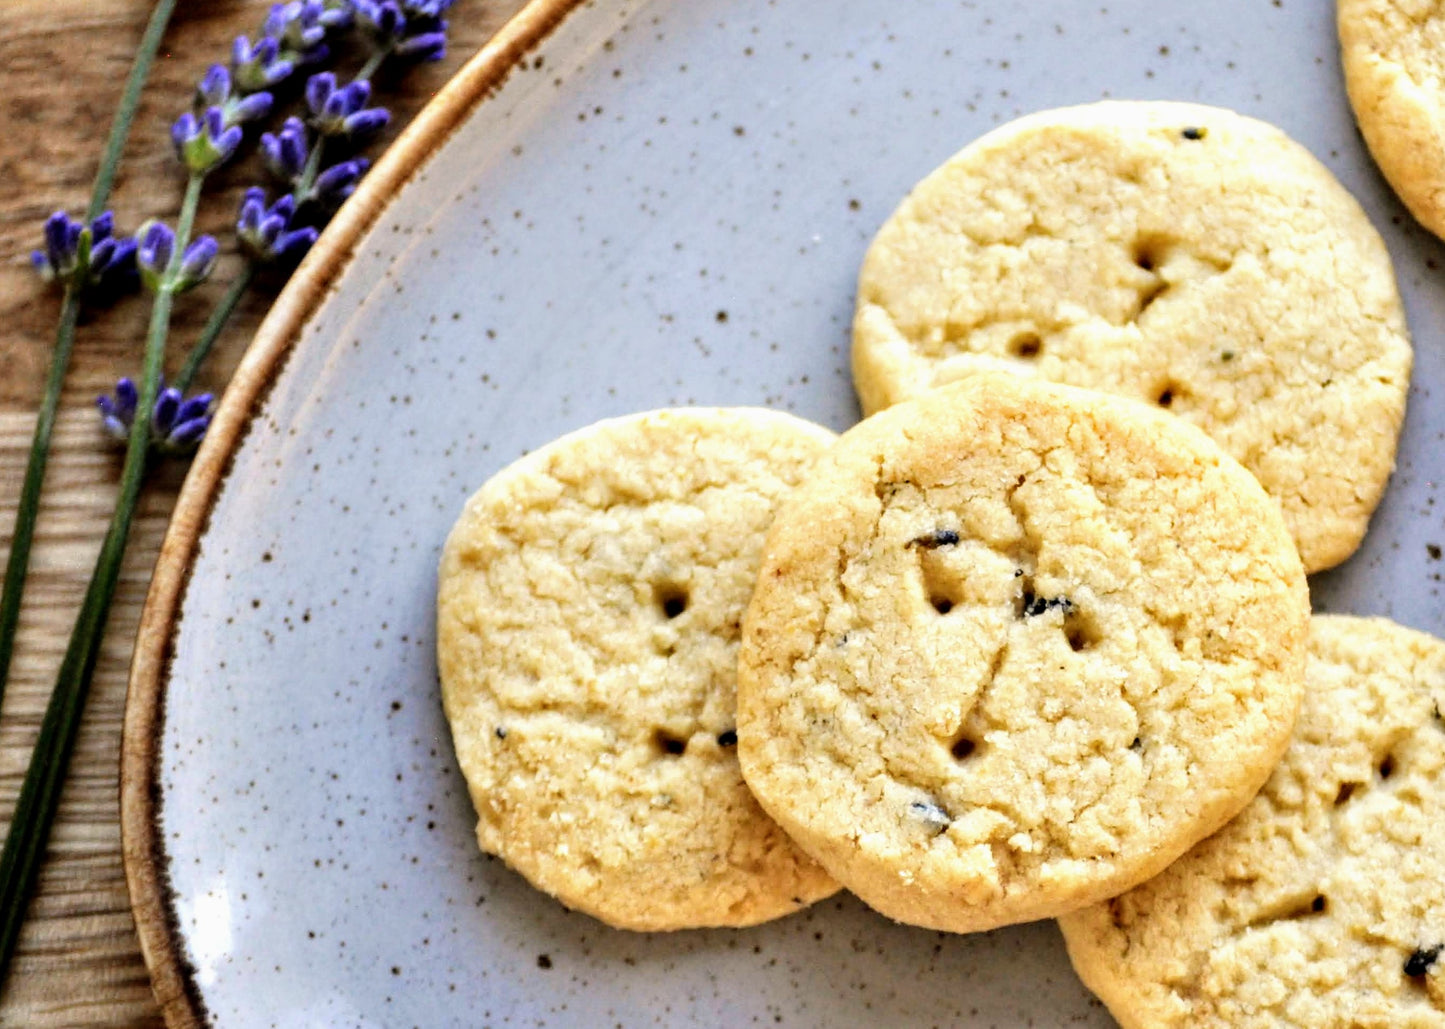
90, 262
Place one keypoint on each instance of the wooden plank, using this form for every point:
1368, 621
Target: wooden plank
62, 63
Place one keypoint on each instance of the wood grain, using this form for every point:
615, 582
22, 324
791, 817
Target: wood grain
62, 63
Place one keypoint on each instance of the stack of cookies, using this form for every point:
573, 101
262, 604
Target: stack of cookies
1032, 640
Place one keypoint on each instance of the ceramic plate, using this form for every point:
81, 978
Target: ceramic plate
618, 206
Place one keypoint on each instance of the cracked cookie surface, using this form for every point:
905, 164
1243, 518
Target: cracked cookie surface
1322, 904
1393, 53
1178, 254
589, 609
1014, 648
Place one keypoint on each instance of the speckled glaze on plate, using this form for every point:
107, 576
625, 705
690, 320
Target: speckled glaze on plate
615, 207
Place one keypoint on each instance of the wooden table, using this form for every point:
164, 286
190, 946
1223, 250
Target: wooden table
62, 63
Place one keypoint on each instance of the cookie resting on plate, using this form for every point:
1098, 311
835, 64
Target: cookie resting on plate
1322, 905
1015, 647
588, 622
1182, 255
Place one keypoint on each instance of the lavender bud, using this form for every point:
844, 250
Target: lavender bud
339, 181
285, 152
428, 46
215, 86
193, 408
342, 111
103, 226
91, 257
383, 22
186, 436
366, 122
249, 108
112, 270
128, 397
155, 245
297, 27
176, 427
265, 235
197, 262
204, 143
259, 67
163, 415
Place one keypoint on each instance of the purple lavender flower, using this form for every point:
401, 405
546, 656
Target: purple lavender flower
102, 264
408, 30
425, 46
196, 263
206, 142
156, 243
338, 182
285, 152
215, 90
342, 111
300, 28
381, 20
177, 424
260, 66
265, 233
157, 246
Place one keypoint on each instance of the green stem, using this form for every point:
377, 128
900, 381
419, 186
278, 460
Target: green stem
372, 63
302, 191
40, 793
212, 329
17, 564
129, 100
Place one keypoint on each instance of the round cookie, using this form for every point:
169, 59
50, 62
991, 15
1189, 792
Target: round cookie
1174, 253
1394, 58
1014, 648
588, 618
1323, 903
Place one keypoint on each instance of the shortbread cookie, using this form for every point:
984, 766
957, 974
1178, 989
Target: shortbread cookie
1394, 58
1014, 648
1323, 904
588, 625
1182, 255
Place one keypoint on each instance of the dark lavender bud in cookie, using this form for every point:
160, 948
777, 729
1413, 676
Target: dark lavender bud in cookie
1419, 962
727, 738
1194, 132
935, 539
1035, 605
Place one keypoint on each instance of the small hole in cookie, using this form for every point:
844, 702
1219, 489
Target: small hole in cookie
672, 599
1149, 252
941, 604
1347, 790
727, 738
963, 747
1026, 345
1387, 766
1080, 630
1165, 396
668, 743
1319, 904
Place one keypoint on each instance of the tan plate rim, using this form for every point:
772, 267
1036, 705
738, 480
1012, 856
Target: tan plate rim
172, 977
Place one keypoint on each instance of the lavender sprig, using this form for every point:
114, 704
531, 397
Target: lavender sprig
40, 792
158, 419
177, 423
90, 258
